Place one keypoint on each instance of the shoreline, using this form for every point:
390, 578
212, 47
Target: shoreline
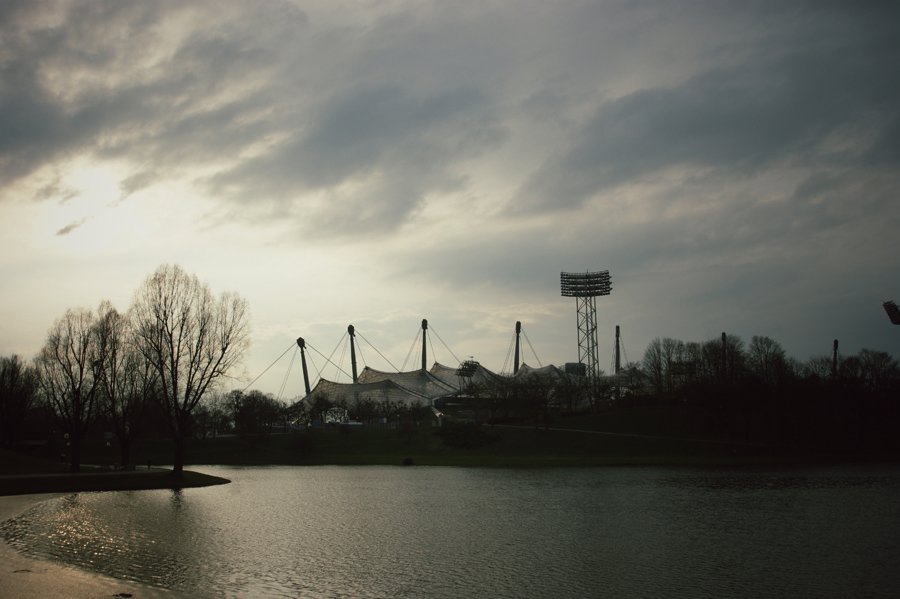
132, 480
26, 577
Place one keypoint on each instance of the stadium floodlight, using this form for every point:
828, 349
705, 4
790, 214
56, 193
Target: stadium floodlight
585, 284
893, 311
585, 287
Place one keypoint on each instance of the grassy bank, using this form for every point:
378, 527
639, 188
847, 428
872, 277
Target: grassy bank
635, 438
491, 446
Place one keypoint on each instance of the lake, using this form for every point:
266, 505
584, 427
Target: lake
471, 532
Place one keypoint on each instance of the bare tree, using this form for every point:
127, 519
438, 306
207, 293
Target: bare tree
766, 359
17, 392
191, 338
68, 369
219, 413
654, 364
633, 378
661, 363
128, 378
691, 367
673, 352
818, 367
724, 358
879, 369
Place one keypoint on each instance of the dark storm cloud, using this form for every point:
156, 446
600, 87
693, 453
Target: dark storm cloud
32, 129
405, 141
281, 115
825, 74
796, 237
83, 84
36, 125
247, 89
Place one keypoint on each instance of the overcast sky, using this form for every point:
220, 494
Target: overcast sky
734, 165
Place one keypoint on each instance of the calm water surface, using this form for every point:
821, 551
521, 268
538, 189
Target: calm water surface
466, 532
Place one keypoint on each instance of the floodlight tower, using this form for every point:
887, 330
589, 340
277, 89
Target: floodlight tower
585, 287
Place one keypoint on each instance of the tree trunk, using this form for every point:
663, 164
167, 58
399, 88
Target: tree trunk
125, 454
75, 454
178, 463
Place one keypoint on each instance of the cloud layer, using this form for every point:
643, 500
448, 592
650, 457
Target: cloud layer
481, 147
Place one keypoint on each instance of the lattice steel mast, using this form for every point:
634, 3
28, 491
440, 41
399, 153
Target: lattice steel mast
585, 288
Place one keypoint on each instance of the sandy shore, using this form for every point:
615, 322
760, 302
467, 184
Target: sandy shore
25, 577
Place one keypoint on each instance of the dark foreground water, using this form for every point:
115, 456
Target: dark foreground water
462, 532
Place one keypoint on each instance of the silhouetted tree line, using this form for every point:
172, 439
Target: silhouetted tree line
122, 371
726, 389
18, 391
755, 392
105, 371
534, 398
237, 412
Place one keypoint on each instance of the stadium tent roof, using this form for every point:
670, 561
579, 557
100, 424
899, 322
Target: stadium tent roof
449, 375
545, 372
421, 386
445, 374
419, 381
378, 391
415, 386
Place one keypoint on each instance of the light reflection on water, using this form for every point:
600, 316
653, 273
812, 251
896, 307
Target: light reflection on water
453, 532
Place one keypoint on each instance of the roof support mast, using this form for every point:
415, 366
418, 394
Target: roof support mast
516, 360
424, 351
302, 345
352, 333
618, 354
